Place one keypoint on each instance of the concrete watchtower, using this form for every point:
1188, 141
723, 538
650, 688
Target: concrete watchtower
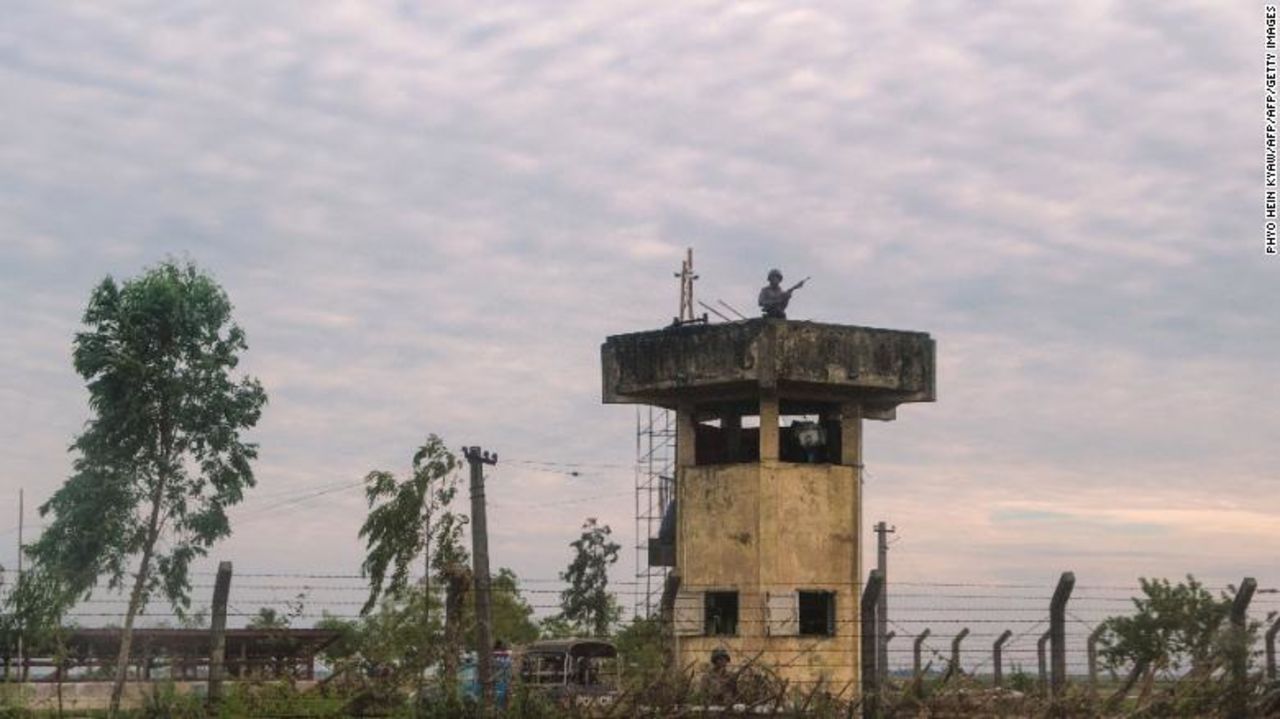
765, 531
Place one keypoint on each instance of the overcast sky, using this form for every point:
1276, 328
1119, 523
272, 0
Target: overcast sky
429, 215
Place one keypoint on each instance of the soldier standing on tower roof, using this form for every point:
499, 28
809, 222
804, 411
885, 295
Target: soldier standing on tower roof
774, 299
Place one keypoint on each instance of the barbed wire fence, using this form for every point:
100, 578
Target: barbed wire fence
985, 609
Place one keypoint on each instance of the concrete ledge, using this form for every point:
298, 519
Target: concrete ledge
880, 368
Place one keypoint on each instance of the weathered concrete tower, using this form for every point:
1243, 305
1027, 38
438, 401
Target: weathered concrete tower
765, 530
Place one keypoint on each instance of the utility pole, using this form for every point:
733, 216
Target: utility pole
882, 604
480, 556
22, 662
426, 553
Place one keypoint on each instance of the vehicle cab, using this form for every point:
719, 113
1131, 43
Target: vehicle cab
570, 668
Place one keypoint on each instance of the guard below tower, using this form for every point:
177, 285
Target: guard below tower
765, 531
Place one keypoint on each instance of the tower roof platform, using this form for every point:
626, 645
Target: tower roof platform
798, 361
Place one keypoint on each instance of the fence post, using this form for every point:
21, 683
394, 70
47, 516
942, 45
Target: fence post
218, 632
1238, 703
917, 669
955, 653
870, 683
1240, 605
1092, 646
1270, 637
1058, 631
1044, 664
997, 658
884, 670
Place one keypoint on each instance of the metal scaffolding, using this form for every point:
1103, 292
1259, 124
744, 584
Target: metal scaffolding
655, 488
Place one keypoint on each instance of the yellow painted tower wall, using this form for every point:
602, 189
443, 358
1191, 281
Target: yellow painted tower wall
772, 528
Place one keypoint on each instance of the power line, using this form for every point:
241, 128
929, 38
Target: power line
258, 512
577, 500
589, 465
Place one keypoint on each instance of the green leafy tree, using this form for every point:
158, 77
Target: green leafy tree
512, 614
408, 520
268, 618
33, 608
387, 649
557, 627
198, 619
642, 643
405, 515
399, 638
347, 645
513, 622
33, 612
449, 554
587, 604
1174, 627
161, 456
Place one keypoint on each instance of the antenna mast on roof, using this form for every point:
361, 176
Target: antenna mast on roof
732, 309
687, 277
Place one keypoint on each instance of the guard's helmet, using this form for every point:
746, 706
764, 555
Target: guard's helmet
719, 655
775, 273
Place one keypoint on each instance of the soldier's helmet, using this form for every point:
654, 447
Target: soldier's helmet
775, 273
718, 655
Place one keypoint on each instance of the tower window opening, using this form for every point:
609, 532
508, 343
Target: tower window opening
724, 436
721, 614
817, 614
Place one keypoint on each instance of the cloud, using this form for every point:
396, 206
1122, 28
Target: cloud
429, 217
